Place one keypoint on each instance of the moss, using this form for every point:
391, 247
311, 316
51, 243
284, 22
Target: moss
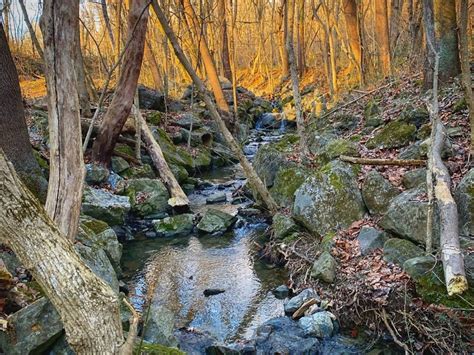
155, 118
136, 172
333, 177
460, 105
94, 224
43, 163
328, 241
124, 149
157, 349
393, 135
173, 154
291, 238
286, 144
371, 109
336, 148
287, 181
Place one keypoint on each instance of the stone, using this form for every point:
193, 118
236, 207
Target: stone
371, 109
377, 192
417, 116
464, 197
281, 292
105, 206
172, 153
187, 120
283, 336
324, 268
337, 147
160, 326
61, 347
329, 200
149, 197
221, 155
144, 171
119, 165
297, 301
176, 226
32, 329
10, 261
116, 182
285, 184
197, 137
319, 325
283, 226
150, 99
217, 197
393, 135
413, 151
406, 216
400, 250
419, 266
370, 239
414, 178
215, 221
179, 172
96, 174
202, 160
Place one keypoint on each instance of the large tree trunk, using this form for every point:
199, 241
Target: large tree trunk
59, 24
466, 70
221, 9
396, 8
121, 104
283, 18
382, 36
84, 102
88, 307
255, 182
428, 23
211, 71
14, 139
352, 25
445, 28
31, 30
154, 67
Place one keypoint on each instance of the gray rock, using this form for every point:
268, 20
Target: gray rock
318, 324
61, 347
464, 196
33, 328
188, 119
119, 164
215, 221
176, 226
286, 182
324, 268
149, 197
160, 326
406, 216
393, 135
116, 182
10, 260
414, 178
105, 206
329, 200
150, 99
96, 174
400, 250
281, 292
419, 266
377, 192
283, 226
370, 239
297, 301
216, 198
199, 136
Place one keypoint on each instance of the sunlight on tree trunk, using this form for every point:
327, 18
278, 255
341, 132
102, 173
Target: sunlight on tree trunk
382, 35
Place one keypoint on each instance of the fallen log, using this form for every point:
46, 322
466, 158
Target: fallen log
377, 161
178, 197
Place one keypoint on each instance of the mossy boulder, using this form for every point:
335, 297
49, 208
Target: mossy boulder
105, 206
324, 268
377, 192
202, 160
398, 251
96, 174
125, 149
283, 226
172, 153
222, 155
286, 182
406, 216
215, 221
414, 178
370, 239
371, 109
157, 349
419, 266
139, 171
464, 196
179, 172
176, 226
417, 116
337, 147
149, 197
329, 200
394, 135
119, 165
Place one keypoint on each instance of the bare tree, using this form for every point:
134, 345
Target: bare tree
84, 102
34, 39
382, 36
225, 56
353, 33
105, 15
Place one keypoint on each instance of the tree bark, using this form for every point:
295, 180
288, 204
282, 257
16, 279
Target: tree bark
428, 22
84, 102
105, 15
395, 14
154, 67
301, 34
88, 307
121, 104
221, 10
14, 139
31, 30
352, 25
255, 182
283, 14
382, 36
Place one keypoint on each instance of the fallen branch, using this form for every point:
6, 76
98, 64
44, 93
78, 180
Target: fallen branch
375, 161
127, 347
392, 333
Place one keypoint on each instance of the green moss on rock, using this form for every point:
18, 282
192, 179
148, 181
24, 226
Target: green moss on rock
394, 135
287, 181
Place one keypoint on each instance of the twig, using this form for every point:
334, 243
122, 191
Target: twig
392, 333
127, 347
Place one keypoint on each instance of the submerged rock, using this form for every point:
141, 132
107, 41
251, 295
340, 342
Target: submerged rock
377, 192
176, 226
324, 268
281, 292
318, 324
149, 197
105, 206
215, 221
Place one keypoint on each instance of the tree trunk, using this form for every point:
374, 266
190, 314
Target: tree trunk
254, 181
178, 197
301, 34
382, 36
352, 25
6, 18
428, 22
395, 14
154, 67
121, 104
221, 10
14, 139
285, 67
84, 102
32, 32
88, 307
466, 70
59, 24
211, 71
105, 15
445, 28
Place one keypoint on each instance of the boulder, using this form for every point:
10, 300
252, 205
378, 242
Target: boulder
324, 268
96, 174
297, 301
217, 197
180, 173
416, 116
32, 329
202, 159
197, 137
319, 325
370, 239
105, 206
283, 226
372, 114
281, 292
119, 165
377, 192
150, 99
329, 200
149, 197
464, 197
400, 250
414, 178
285, 184
144, 171
160, 326
221, 155
419, 266
188, 120
176, 226
406, 216
337, 147
172, 153
393, 135
215, 221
